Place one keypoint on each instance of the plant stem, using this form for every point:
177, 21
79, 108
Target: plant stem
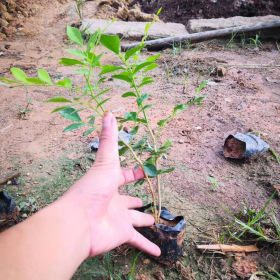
146, 176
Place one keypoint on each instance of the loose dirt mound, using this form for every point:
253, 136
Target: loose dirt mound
122, 10
182, 10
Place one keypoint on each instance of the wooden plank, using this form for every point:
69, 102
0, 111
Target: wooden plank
228, 248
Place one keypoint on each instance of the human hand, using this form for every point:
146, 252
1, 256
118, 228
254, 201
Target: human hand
110, 217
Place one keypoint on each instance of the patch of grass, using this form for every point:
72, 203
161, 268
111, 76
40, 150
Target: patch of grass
254, 225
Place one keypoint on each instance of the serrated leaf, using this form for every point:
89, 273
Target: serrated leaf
58, 99
89, 131
92, 40
130, 93
150, 170
74, 35
111, 42
123, 78
109, 69
44, 76
132, 51
74, 126
153, 58
67, 83
70, 114
18, 74
142, 98
70, 62
77, 53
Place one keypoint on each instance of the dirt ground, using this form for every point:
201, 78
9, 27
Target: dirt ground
246, 99
183, 10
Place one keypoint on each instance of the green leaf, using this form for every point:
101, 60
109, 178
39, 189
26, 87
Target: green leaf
102, 102
104, 91
77, 53
109, 69
166, 145
92, 40
141, 66
153, 58
61, 108
96, 60
140, 144
159, 11
111, 42
89, 131
9, 81
92, 119
202, 85
44, 76
180, 108
130, 93
70, 114
139, 182
70, 62
74, 126
131, 116
67, 83
101, 80
163, 122
123, 150
132, 51
123, 78
58, 99
134, 131
82, 71
18, 74
35, 81
162, 171
146, 107
142, 98
74, 35
3, 84
150, 170
151, 67
146, 83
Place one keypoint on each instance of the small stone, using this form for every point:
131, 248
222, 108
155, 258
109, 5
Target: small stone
3, 8
2, 36
9, 182
240, 106
122, 158
146, 261
4, 23
181, 141
256, 49
24, 215
6, 16
221, 71
8, 31
7, 46
14, 188
198, 128
123, 13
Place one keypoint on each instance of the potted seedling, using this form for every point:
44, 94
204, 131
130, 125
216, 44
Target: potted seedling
147, 152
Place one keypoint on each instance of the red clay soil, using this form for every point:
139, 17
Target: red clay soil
183, 10
234, 148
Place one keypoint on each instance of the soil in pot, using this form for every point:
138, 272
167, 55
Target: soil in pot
169, 235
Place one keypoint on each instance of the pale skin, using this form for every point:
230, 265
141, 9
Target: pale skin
91, 218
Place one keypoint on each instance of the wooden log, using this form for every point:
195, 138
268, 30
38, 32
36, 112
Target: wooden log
8, 177
228, 248
205, 36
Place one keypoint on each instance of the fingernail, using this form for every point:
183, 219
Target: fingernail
106, 121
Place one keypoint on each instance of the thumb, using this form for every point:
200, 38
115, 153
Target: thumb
108, 142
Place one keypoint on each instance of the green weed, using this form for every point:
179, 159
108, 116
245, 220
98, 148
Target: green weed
255, 41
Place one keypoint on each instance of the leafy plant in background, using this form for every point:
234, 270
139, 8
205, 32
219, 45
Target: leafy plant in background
134, 71
256, 41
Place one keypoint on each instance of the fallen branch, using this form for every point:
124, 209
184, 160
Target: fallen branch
228, 248
8, 177
204, 36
